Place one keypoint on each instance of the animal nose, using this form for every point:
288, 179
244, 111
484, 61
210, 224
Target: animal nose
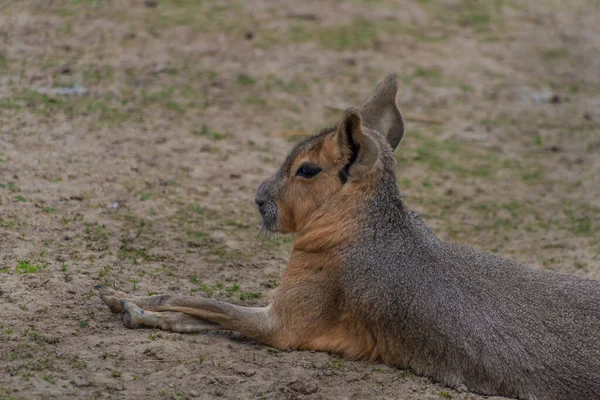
259, 202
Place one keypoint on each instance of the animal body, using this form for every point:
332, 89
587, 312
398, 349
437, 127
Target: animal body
368, 279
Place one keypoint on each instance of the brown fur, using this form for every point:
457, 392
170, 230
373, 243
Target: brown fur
369, 280
309, 309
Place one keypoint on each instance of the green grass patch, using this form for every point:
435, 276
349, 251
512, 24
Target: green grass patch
255, 100
292, 86
207, 131
428, 73
357, 35
203, 16
175, 106
245, 80
95, 74
196, 234
159, 96
10, 186
474, 20
530, 177
454, 156
39, 103
108, 108
250, 295
581, 223
554, 54
27, 267
206, 288
9, 104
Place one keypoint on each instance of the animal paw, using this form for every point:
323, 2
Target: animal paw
129, 314
112, 298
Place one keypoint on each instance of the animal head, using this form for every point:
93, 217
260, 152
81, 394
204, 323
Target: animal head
340, 163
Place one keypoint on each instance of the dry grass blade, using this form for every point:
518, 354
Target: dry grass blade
422, 118
407, 117
291, 134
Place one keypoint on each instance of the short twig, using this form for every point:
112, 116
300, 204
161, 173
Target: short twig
408, 117
291, 133
422, 118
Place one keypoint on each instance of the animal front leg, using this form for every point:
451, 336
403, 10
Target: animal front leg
255, 322
135, 317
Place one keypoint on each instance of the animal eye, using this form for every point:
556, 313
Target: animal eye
308, 170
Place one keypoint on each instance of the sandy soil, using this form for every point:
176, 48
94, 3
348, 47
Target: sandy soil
145, 182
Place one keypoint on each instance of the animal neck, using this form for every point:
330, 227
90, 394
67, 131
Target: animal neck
386, 210
387, 219
341, 221
334, 224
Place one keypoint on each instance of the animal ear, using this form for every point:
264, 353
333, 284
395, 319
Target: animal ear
380, 112
358, 151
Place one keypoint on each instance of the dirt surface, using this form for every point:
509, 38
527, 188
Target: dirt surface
144, 180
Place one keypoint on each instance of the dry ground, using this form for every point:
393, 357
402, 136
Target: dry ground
146, 182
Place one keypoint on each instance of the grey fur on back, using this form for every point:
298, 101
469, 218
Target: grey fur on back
464, 316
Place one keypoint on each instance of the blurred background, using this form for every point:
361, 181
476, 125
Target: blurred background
133, 135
